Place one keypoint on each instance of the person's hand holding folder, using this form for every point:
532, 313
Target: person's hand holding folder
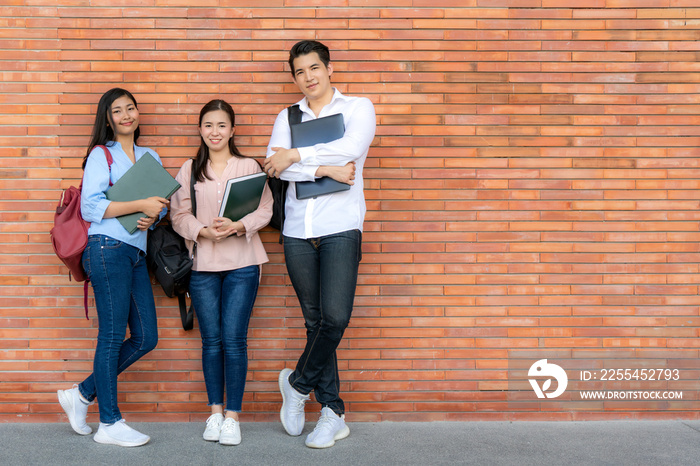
307, 134
145, 187
344, 174
152, 207
280, 161
283, 158
221, 228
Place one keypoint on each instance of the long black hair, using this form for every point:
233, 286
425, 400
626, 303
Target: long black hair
103, 129
202, 157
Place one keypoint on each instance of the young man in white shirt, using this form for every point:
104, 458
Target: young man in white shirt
322, 237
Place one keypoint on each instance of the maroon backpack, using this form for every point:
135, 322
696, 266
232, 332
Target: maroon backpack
69, 234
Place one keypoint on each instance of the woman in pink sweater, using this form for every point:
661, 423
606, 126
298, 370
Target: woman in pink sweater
227, 261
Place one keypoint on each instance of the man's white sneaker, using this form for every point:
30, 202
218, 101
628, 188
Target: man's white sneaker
120, 434
230, 432
76, 409
292, 412
330, 428
213, 430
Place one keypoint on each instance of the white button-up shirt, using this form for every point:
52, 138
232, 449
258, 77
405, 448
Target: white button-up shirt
336, 212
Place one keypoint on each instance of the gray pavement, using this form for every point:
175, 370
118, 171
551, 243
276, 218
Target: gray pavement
403, 443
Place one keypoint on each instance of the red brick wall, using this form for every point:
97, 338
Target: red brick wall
532, 193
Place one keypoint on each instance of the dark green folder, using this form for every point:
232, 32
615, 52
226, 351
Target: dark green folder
242, 196
146, 178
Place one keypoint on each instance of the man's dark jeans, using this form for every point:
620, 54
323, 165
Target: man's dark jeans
323, 272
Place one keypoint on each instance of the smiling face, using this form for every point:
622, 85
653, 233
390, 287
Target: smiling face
123, 116
216, 130
313, 77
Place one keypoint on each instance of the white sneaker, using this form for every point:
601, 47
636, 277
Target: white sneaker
213, 430
76, 409
230, 432
330, 428
292, 412
120, 434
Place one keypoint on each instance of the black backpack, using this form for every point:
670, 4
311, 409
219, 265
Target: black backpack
169, 260
278, 186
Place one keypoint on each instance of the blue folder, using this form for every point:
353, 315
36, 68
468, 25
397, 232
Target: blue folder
310, 133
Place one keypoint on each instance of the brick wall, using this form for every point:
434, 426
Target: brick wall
532, 193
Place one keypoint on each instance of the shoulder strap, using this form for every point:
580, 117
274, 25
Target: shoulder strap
110, 161
186, 316
193, 198
294, 118
294, 114
85, 296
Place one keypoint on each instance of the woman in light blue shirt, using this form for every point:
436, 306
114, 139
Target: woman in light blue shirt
115, 262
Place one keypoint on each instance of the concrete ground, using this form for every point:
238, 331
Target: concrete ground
390, 443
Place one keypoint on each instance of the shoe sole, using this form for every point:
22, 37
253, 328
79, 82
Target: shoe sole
230, 443
211, 439
340, 435
106, 440
280, 381
67, 408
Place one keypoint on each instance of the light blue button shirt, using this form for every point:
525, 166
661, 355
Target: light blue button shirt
93, 202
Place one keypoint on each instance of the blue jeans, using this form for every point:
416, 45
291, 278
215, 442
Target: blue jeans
323, 272
123, 296
223, 302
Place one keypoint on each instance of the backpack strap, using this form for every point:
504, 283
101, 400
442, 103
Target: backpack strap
294, 115
85, 298
193, 198
187, 317
110, 161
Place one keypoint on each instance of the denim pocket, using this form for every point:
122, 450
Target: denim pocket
111, 243
356, 236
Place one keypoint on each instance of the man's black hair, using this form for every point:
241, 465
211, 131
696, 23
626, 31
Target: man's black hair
305, 47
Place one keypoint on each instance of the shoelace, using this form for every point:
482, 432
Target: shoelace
325, 422
212, 421
228, 427
298, 406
